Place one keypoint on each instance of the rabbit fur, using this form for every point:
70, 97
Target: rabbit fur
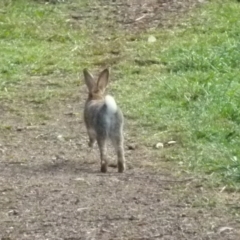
103, 119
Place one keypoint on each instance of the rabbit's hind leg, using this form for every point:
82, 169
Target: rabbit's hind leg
117, 142
102, 144
92, 138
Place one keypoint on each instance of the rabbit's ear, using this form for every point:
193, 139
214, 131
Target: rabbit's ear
103, 79
88, 79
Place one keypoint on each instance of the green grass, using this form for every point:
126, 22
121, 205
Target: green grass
192, 96
183, 87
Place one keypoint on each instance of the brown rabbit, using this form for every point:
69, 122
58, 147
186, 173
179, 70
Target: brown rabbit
103, 119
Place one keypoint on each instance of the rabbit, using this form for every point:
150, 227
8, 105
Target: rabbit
103, 119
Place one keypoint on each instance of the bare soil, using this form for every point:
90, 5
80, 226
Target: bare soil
51, 186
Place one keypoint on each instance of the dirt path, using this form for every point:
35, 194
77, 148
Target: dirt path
51, 187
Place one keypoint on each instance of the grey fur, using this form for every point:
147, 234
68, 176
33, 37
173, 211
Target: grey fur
102, 121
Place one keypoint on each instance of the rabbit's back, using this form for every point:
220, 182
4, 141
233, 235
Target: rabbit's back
104, 118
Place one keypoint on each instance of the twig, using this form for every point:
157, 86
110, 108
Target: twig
140, 18
163, 180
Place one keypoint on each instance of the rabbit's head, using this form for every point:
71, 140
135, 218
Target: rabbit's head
96, 89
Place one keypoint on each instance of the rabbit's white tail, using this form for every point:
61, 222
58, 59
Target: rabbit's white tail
111, 104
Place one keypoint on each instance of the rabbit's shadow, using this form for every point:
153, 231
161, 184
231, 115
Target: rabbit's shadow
86, 163
74, 167
69, 166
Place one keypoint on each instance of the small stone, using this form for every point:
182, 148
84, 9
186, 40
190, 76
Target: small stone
159, 145
13, 213
152, 39
19, 129
132, 218
60, 138
131, 146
